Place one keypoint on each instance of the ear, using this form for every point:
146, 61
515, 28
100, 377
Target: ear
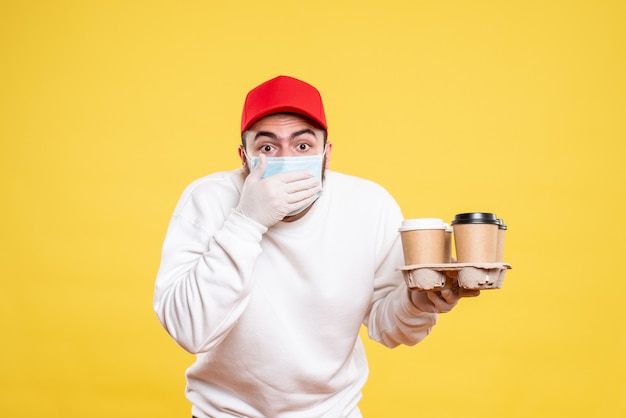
244, 160
329, 149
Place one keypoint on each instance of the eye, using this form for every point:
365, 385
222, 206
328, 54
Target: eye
266, 148
304, 147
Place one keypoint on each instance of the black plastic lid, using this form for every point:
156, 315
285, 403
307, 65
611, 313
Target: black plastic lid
501, 224
476, 218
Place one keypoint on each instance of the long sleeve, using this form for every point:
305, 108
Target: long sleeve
203, 284
393, 319
274, 314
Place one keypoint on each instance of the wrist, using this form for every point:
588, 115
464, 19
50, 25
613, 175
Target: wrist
238, 212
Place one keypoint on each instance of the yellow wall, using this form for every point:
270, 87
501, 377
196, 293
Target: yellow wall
108, 109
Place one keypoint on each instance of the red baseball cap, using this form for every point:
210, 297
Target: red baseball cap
283, 94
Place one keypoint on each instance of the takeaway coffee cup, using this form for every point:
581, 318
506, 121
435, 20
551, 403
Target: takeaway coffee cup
423, 241
447, 248
476, 237
500, 247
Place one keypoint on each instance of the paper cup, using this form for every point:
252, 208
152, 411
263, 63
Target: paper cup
447, 246
500, 247
423, 241
475, 237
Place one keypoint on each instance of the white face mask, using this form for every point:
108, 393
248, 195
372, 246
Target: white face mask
275, 165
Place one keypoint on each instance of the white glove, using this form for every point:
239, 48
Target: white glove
269, 200
434, 301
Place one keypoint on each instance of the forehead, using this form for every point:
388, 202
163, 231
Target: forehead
284, 122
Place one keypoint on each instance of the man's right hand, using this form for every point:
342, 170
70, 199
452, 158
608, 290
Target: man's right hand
269, 200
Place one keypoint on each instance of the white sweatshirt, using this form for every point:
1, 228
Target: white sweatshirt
274, 314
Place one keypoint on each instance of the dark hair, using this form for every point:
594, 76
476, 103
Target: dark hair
309, 120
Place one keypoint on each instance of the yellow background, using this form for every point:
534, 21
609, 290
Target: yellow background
108, 109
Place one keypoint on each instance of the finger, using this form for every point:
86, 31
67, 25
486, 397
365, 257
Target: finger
293, 176
450, 296
435, 297
307, 184
259, 170
469, 293
303, 196
440, 302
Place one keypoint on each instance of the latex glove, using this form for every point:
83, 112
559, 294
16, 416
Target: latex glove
269, 200
441, 301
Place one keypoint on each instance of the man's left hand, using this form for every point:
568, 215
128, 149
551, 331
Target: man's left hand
441, 301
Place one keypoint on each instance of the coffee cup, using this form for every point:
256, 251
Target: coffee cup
447, 247
500, 247
476, 237
423, 241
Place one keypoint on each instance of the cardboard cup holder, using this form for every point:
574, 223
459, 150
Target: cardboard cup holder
480, 276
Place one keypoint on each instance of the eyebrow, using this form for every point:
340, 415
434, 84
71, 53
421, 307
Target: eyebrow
293, 135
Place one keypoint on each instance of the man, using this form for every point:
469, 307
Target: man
268, 271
